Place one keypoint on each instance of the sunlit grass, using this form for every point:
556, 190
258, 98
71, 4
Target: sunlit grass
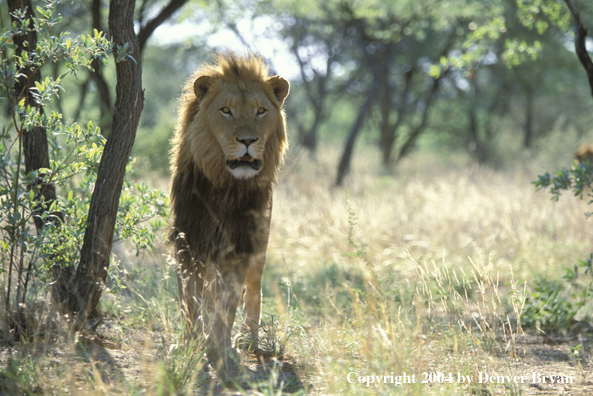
431, 275
423, 269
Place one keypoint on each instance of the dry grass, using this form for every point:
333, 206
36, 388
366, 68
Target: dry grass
424, 270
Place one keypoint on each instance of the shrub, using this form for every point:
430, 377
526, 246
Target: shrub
42, 237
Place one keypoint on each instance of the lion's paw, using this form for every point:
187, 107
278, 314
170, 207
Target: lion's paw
226, 362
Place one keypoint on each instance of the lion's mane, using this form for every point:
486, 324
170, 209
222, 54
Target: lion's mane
194, 146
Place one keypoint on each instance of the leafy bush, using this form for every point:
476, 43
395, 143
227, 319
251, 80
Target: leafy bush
549, 307
34, 256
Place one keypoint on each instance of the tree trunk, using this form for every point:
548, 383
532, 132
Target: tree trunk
316, 92
344, 164
91, 273
388, 132
528, 118
83, 92
416, 132
35, 146
35, 149
309, 139
580, 39
474, 145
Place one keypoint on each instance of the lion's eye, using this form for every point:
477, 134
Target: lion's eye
261, 111
225, 110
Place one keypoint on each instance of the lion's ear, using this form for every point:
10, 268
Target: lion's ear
201, 86
280, 87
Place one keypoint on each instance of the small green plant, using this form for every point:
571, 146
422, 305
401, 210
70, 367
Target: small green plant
547, 306
548, 309
359, 248
275, 338
20, 377
183, 368
576, 351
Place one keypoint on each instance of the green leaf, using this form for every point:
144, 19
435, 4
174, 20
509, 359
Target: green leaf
43, 12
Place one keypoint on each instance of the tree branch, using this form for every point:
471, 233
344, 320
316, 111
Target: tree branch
416, 132
147, 30
97, 74
347, 154
429, 101
83, 92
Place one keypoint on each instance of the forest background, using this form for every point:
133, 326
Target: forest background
406, 226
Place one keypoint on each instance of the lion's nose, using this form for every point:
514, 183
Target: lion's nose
247, 142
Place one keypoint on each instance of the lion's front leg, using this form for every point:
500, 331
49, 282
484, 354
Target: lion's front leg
252, 297
252, 300
221, 297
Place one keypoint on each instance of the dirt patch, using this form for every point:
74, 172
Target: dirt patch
553, 367
539, 366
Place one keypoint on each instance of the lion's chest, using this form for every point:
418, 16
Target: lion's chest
220, 224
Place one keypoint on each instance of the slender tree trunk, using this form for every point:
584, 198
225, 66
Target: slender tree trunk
429, 101
91, 273
316, 92
418, 130
35, 150
83, 92
55, 75
474, 145
344, 164
310, 137
35, 146
528, 118
388, 132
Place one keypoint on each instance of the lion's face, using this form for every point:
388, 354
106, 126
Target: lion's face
241, 116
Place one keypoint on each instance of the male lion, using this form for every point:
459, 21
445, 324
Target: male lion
229, 142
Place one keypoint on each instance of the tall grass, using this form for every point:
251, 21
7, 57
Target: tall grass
420, 270
430, 277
